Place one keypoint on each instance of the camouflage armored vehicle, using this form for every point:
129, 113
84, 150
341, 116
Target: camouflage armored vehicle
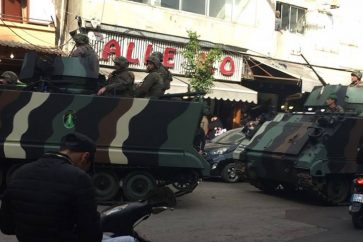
314, 150
141, 143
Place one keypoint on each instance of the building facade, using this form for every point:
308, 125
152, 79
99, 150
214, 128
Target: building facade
25, 25
261, 49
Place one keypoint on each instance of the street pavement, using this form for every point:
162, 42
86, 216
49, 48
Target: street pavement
221, 212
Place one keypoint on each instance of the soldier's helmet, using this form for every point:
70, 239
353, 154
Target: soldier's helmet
81, 39
154, 60
10, 77
356, 73
159, 55
121, 61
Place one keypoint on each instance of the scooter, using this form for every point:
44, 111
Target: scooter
356, 202
121, 220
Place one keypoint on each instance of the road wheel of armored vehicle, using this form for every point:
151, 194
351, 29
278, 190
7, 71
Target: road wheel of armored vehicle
337, 190
137, 184
186, 181
228, 173
106, 185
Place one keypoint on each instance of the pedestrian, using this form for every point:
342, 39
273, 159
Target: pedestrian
164, 72
333, 107
53, 199
278, 21
88, 56
356, 77
121, 81
215, 127
8, 78
152, 85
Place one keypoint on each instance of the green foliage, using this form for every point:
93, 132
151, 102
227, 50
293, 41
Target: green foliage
199, 64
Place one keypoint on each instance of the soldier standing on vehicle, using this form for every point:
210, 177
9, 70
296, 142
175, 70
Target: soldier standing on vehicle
86, 53
53, 199
8, 78
333, 107
164, 72
152, 85
356, 77
120, 81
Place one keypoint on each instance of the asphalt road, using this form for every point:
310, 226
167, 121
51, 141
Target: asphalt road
220, 212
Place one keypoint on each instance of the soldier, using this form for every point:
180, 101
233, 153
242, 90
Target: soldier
120, 81
152, 85
356, 79
8, 78
86, 52
164, 72
331, 102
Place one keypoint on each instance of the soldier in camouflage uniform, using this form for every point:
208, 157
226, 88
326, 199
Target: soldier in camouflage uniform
152, 85
86, 52
164, 72
356, 77
120, 81
8, 78
332, 105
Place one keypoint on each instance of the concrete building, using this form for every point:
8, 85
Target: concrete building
25, 26
261, 51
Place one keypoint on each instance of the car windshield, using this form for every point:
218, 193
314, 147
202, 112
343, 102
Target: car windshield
232, 136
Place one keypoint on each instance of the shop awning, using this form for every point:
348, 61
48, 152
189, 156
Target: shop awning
232, 92
269, 69
30, 47
221, 90
295, 73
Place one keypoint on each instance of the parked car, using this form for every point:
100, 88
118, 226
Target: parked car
218, 153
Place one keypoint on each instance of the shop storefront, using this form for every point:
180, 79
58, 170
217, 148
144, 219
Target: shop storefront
227, 94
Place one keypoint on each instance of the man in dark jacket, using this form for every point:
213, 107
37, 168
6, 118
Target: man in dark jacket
152, 85
120, 81
164, 72
52, 199
88, 56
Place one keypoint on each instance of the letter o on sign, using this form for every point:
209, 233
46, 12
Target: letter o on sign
222, 67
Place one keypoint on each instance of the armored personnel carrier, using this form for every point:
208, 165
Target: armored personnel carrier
141, 143
313, 150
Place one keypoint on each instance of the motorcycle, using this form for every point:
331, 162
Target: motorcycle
120, 220
356, 203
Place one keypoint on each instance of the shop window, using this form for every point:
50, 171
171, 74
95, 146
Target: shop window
220, 9
194, 6
174, 4
11, 10
292, 17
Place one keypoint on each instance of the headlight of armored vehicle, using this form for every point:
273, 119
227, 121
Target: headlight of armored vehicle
219, 151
